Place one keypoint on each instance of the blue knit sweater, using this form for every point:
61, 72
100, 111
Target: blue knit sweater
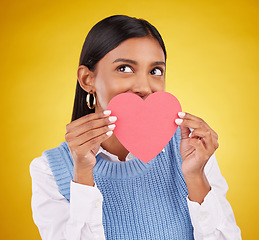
140, 200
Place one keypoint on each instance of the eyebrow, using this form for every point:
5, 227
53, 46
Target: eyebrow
134, 62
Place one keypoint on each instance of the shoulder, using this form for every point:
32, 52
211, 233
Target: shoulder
50, 158
44, 186
40, 166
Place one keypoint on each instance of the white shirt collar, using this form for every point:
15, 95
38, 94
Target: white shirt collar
111, 157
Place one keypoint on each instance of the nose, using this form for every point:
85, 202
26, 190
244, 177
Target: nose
141, 87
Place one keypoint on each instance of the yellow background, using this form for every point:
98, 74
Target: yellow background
212, 68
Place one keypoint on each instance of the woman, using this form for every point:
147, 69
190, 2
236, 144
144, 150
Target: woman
91, 187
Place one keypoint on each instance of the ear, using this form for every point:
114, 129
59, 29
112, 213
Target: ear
86, 78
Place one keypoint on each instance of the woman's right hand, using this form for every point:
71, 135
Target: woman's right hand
84, 136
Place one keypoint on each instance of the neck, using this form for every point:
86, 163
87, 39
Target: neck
113, 145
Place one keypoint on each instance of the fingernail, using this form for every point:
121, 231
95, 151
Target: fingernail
181, 114
109, 133
178, 121
112, 119
107, 112
111, 126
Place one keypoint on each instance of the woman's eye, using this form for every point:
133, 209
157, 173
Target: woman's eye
124, 68
157, 72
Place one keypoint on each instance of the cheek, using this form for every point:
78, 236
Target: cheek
158, 85
108, 87
120, 85
102, 92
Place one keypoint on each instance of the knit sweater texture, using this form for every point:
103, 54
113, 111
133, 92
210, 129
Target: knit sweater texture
140, 200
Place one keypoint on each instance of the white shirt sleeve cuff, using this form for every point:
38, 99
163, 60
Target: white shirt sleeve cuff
207, 216
85, 203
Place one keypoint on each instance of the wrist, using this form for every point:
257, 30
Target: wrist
195, 177
198, 187
83, 176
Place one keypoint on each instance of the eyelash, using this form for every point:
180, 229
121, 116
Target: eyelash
125, 65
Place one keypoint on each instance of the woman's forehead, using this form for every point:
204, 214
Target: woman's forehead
137, 49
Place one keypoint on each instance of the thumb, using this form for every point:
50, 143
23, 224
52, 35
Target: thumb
185, 132
95, 149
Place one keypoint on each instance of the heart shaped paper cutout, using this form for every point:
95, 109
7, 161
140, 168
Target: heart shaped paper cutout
144, 127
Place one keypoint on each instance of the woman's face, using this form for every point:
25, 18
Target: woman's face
137, 66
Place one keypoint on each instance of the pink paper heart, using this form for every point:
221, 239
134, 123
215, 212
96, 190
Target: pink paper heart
144, 127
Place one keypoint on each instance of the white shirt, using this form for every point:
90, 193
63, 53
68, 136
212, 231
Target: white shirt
81, 219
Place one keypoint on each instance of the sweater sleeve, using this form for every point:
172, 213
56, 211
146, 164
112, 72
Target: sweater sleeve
55, 217
214, 218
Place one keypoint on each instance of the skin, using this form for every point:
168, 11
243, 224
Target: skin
142, 73
109, 79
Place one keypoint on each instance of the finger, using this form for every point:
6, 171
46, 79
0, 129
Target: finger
206, 136
198, 124
190, 123
185, 115
93, 124
215, 141
215, 134
90, 144
89, 135
87, 118
192, 117
215, 138
185, 132
198, 145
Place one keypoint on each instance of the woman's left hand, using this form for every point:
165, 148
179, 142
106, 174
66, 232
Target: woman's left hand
196, 149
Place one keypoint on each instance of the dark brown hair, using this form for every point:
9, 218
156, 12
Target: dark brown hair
101, 39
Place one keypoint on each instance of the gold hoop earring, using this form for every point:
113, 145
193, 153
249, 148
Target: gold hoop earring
88, 101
